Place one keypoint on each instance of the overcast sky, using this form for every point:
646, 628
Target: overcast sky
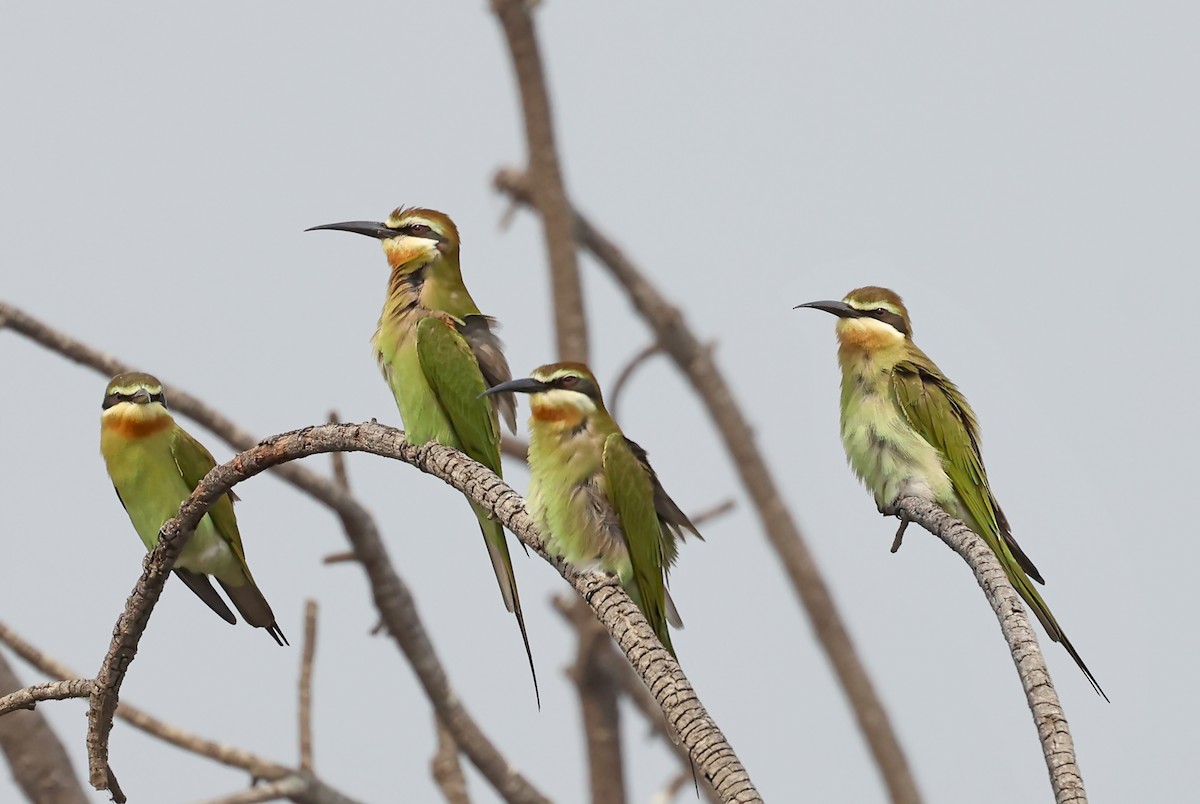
1026, 177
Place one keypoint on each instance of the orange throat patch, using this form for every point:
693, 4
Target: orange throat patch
135, 423
566, 416
867, 334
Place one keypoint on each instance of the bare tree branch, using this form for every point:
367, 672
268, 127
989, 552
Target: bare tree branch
315, 792
632, 685
40, 765
598, 693
274, 791
715, 512
392, 597
447, 771
514, 447
712, 753
306, 674
1048, 717
28, 697
545, 180
635, 362
697, 364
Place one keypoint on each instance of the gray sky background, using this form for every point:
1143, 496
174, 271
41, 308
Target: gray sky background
1024, 176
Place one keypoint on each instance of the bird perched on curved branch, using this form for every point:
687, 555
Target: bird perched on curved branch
438, 354
593, 493
155, 465
908, 431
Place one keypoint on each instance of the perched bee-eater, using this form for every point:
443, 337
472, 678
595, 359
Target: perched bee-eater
908, 431
155, 465
593, 494
438, 354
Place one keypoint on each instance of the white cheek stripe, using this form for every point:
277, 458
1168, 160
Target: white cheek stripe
561, 398
872, 325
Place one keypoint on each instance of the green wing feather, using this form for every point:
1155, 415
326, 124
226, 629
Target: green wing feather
454, 375
938, 412
194, 462
631, 492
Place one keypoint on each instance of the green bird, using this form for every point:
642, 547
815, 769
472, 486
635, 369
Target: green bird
154, 466
438, 354
593, 494
908, 431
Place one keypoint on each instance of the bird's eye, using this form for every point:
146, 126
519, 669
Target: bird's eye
569, 381
419, 228
881, 310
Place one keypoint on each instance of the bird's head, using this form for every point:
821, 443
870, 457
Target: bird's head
562, 393
134, 404
871, 317
412, 237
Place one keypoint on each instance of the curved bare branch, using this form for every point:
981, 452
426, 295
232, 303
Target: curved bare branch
709, 749
392, 597
696, 362
1053, 730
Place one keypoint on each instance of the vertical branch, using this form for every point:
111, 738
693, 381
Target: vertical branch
306, 684
39, 763
447, 771
546, 181
598, 696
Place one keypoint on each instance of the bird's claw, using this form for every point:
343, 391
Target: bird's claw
904, 520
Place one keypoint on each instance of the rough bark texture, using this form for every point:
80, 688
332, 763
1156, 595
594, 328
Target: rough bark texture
1048, 716
39, 762
709, 749
696, 362
391, 595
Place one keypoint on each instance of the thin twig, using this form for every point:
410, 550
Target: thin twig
27, 697
317, 791
445, 767
697, 364
618, 385
709, 749
546, 181
1048, 717
715, 512
392, 597
272, 791
306, 684
514, 447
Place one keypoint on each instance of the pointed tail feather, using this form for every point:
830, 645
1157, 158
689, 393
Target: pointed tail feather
202, 586
497, 545
254, 609
1053, 630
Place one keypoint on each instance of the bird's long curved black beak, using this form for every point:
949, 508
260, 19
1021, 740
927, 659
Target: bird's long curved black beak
840, 309
368, 228
526, 385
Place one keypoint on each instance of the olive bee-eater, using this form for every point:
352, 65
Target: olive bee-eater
908, 431
593, 494
155, 465
438, 354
